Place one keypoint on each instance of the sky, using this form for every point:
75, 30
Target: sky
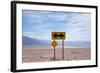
40, 24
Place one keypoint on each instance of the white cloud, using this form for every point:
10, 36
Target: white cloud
76, 25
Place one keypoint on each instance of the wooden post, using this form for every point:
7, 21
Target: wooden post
62, 49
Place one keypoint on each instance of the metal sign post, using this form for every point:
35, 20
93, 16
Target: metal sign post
58, 36
54, 53
63, 49
54, 44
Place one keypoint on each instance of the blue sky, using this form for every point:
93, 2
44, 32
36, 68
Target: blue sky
40, 24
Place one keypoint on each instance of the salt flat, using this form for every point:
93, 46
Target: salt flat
42, 55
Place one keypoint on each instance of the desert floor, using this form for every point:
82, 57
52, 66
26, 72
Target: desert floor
42, 55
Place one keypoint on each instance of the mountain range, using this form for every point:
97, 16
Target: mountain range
27, 42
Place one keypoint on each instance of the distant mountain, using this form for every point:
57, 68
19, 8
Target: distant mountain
32, 42
27, 41
76, 43
71, 43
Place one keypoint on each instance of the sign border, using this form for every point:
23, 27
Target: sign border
13, 35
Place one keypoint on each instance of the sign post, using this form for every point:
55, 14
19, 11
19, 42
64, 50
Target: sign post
63, 49
59, 36
54, 44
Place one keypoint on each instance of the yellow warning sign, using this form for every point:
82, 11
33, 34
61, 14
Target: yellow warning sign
54, 44
58, 35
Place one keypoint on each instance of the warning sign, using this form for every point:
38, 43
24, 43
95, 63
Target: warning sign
54, 44
58, 35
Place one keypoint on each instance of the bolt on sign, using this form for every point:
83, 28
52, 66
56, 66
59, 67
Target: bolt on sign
58, 35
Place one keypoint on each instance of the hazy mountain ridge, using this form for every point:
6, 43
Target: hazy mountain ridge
27, 42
